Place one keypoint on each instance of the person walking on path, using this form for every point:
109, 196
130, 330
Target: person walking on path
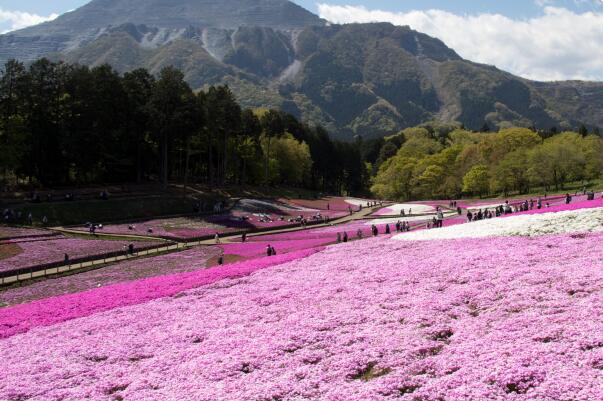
244, 238
440, 219
217, 238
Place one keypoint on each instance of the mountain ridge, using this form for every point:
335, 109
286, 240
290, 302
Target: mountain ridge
355, 79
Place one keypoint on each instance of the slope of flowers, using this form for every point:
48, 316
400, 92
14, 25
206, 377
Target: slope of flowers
256, 249
560, 207
21, 318
177, 227
580, 220
36, 252
479, 320
179, 262
7, 233
332, 206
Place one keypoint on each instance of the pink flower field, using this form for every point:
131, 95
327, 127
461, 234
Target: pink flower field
43, 251
8, 233
180, 262
174, 228
486, 319
45, 312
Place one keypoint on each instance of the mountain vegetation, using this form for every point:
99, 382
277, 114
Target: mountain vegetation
366, 80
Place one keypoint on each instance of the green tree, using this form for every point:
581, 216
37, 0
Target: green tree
476, 181
272, 127
167, 103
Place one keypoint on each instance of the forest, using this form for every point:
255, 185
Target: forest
447, 162
64, 124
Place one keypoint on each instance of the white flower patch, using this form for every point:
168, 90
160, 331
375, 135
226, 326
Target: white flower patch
414, 207
573, 221
357, 202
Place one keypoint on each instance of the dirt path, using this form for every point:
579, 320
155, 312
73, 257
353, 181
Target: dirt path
170, 247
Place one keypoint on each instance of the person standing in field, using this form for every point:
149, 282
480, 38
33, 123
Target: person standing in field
345, 236
217, 238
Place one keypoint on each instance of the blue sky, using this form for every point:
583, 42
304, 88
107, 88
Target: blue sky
537, 39
511, 8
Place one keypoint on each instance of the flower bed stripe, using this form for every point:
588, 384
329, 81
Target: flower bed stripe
21, 318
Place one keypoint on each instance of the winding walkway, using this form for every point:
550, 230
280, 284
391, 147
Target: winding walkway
169, 247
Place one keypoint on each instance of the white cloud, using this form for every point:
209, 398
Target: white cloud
19, 19
557, 45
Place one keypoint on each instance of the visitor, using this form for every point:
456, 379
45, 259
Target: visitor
244, 238
29, 218
375, 230
440, 218
328, 206
66, 259
539, 203
268, 250
338, 238
359, 233
131, 249
402, 213
458, 210
221, 260
345, 236
217, 238
568, 199
469, 216
273, 251
350, 210
387, 230
398, 226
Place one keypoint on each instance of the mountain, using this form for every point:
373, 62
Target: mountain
367, 79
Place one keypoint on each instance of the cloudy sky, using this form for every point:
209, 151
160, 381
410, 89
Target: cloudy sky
537, 39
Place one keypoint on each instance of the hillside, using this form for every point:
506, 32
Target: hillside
366, 79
